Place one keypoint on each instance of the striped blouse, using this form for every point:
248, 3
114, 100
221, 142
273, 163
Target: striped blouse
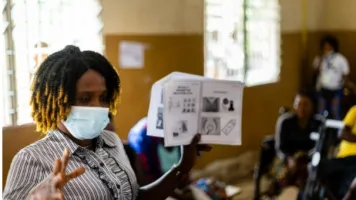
108, 172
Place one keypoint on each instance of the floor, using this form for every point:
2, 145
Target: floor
247, 189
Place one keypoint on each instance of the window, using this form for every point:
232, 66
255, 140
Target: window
35, 29
242, 40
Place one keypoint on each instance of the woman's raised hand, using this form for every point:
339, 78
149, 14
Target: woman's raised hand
191, 152
51, 187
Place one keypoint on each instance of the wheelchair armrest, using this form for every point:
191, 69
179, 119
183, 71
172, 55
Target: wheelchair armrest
267, 155
268, 142
283, 110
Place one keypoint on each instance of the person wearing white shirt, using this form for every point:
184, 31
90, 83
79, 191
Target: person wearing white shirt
332, 69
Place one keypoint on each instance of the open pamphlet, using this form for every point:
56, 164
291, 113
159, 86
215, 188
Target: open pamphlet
155, 112
191, 104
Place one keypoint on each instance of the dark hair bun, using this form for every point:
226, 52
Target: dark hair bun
72, 50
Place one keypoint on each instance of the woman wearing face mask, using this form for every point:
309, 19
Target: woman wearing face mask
73, 93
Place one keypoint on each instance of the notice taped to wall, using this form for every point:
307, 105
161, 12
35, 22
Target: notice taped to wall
131, 55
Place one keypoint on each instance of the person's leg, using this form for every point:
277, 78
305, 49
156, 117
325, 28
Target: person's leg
336, 105
328, 96
321, 101
330, 172
338, 174
351, 194
300, 195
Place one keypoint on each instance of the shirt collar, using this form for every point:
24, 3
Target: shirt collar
105, 139
58, 136
329, 54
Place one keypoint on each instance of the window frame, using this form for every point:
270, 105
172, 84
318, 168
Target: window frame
248, 68
12, 106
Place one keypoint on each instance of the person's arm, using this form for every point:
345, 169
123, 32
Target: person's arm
317, 64
25, 173
26, 179
349, 122
345, 70
351, 193
282, 137
162, 187
165, 185
347, 135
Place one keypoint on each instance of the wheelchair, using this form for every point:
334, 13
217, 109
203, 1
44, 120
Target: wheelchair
326, 145
326, 142
267, 156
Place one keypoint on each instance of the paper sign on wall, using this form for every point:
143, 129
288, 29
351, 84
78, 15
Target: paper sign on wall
131, 55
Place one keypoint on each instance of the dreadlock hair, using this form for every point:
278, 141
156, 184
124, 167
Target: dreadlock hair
54, 85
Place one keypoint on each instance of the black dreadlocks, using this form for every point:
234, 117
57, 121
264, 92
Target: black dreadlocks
53, 87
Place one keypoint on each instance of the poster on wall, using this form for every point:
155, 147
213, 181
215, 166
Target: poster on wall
131, 55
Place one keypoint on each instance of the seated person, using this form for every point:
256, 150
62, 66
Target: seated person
338, 173
293, 144
155, 158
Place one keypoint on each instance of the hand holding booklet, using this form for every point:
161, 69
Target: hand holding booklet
184, 104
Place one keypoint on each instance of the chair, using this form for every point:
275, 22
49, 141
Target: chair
14, 139
267, 155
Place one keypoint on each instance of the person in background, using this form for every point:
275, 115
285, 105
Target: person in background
155, 158
338, 173
293, 144
73, 92
332, 70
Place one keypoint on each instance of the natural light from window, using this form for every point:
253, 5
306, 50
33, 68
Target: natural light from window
242, 40
37, 29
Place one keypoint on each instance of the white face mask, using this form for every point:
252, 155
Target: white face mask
87, 122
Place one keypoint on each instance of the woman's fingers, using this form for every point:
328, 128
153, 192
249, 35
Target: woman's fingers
61, 179
204, 147
195, 139
58, 195
75, 173
65, 160
58, 181
57, 166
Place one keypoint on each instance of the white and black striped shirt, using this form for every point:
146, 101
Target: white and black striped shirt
108, 172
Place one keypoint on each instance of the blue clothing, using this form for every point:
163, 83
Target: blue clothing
146, 147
